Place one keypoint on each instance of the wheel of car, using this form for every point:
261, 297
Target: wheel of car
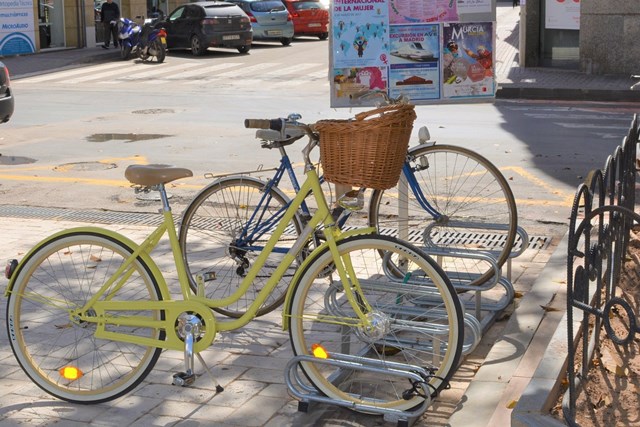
244, 49
285, 41
196, 46
323, 36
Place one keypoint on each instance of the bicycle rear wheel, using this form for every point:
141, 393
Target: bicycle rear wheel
60, 276
223, 231
416, 321
475, 203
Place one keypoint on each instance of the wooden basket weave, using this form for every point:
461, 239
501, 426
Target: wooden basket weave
368, 151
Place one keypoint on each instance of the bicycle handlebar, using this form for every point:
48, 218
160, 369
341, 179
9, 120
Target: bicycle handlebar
273, 124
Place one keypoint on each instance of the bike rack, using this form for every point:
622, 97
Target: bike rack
308, 394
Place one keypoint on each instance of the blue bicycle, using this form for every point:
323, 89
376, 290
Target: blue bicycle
449, 200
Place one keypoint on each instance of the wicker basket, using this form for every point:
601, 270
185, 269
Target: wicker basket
368, 151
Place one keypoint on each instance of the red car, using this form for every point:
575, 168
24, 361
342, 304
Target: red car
310, 18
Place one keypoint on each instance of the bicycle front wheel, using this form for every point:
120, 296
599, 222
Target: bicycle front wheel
50, 344
473, 210
415, 320
223, 231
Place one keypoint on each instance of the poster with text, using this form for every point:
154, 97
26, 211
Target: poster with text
17, 31
562, 14
360, 33
467, 60
350, 81
466, 7
413, 69
422, 11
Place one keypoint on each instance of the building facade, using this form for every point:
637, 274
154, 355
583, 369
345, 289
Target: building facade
30, 26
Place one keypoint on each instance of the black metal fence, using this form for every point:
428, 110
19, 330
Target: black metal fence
602, 218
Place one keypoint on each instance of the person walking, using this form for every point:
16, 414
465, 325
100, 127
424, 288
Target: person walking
109, 15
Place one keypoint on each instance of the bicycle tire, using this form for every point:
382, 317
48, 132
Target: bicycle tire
463, 186
209, 228
319, 313
62, 274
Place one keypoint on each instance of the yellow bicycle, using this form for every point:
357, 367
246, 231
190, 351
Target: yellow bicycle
89, 311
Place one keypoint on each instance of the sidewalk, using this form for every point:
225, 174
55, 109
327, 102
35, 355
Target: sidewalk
250, 363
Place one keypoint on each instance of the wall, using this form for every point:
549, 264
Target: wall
609, 34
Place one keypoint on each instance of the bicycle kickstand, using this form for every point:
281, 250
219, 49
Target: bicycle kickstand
189, 328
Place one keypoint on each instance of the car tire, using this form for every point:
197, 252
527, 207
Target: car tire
197, 49
323, 36
244, 49
286, 41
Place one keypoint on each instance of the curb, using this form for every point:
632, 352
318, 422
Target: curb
515, 359
506, 92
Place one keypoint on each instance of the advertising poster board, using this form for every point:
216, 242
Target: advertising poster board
400, 47
562, 14
17, 31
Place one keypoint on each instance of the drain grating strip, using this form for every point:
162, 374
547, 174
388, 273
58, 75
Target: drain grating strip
61, 214
488, 240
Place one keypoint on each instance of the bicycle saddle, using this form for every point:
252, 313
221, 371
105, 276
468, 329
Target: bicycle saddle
149, 175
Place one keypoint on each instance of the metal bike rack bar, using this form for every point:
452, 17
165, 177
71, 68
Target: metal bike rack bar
308, 394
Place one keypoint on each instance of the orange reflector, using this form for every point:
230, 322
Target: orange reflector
71, 373
319, 351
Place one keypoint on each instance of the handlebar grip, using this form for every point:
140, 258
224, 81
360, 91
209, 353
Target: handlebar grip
275, 124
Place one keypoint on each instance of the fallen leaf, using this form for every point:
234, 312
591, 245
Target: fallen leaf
614, 364
65, 326
548, 308
518, 294
512, 404
95, 258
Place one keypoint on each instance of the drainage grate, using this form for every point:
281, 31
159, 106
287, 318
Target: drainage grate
62, 214
487, 240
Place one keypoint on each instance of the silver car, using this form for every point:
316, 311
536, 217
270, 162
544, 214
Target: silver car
270, 19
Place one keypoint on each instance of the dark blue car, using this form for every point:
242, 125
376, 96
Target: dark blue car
6, 95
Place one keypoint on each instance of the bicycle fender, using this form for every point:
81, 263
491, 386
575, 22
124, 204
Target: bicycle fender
155, 271
286, 313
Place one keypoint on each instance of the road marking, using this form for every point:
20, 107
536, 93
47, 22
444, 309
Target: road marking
161, 69
201, 71
233, 76
60, 75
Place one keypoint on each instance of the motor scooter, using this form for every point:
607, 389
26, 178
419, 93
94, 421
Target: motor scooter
144, 42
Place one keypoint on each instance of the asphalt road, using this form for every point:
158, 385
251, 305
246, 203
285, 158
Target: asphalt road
75, 131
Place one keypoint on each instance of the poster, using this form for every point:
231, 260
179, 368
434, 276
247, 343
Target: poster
431, 51
414, 57
17, 31
360, 33
466, 7
422, 11
467, 60
562, 14
350, 81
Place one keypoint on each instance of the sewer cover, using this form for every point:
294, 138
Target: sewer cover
84, 167
15, 160
126, 137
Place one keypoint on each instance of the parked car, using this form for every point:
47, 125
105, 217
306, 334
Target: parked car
310, 18
199, 26
6, 95
270, 19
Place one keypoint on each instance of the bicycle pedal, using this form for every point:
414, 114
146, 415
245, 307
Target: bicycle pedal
183, 379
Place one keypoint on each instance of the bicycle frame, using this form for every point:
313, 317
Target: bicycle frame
99, 308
